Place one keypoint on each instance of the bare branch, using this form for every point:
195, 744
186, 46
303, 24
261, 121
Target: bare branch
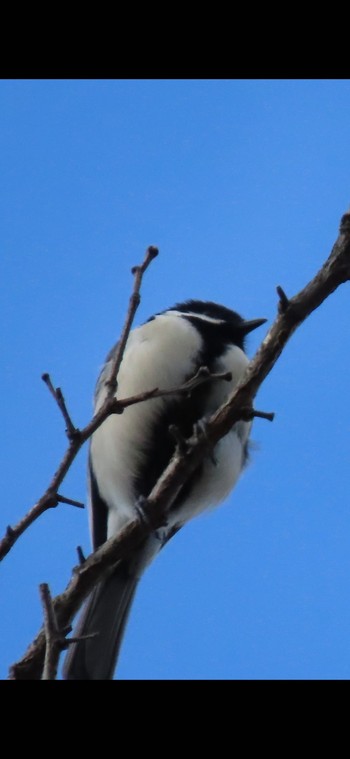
334, 272
71, 430
76, 437
202, 376
54, 639
138, 272
269, 415
70, 501
249, 414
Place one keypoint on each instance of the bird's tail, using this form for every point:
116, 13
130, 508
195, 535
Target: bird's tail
104, 616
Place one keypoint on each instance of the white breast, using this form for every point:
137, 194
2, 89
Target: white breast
162, 353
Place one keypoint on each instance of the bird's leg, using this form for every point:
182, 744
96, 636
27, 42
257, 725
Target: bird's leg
200, 429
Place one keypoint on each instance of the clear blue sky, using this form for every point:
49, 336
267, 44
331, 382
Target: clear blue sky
241, 184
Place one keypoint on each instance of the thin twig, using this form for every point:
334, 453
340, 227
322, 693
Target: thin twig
47, 379
53, 637
72, 431
252, 413
202, 376
138, 272
268, 415
70, 501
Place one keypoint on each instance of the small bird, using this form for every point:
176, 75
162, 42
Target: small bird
129, 452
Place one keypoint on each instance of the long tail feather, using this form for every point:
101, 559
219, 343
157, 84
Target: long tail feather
105, 614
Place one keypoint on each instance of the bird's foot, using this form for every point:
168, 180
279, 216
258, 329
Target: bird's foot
200, 430
141, 511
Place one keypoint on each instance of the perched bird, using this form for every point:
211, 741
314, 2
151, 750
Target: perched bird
129, 452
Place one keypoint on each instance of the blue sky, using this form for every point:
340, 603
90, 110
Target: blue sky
241, 184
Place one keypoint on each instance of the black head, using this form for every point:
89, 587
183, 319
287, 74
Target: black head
228, 326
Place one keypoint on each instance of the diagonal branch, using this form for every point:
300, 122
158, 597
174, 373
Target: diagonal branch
138, 272
76, 437
111, 405
292, 313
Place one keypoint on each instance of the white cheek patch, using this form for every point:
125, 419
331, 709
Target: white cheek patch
234, 361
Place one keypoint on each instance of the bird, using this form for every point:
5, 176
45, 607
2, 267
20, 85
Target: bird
129, 452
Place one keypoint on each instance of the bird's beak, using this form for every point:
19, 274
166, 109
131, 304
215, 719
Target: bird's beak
248, 326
